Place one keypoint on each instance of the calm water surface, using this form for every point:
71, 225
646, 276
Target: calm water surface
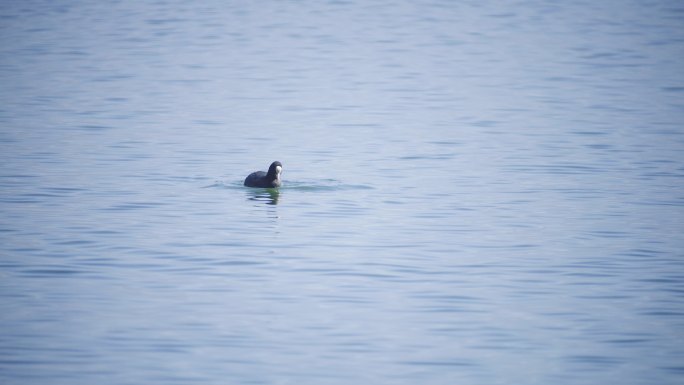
475, 192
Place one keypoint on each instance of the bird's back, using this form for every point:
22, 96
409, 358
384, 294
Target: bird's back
256, 179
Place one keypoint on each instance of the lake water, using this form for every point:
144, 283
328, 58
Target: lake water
475, 192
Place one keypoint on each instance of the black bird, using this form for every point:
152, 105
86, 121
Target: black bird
268, 179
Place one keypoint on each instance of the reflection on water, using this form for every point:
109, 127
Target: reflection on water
269, 196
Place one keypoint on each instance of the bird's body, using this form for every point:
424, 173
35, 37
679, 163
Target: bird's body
270, 179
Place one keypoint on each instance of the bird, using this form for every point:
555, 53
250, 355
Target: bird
270, 179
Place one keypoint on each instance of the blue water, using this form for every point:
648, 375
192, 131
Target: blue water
474, 192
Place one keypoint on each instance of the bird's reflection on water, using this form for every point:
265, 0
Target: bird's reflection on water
269, 196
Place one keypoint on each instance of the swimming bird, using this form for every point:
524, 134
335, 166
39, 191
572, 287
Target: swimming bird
268, 179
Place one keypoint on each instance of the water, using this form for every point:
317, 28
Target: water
475, 192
